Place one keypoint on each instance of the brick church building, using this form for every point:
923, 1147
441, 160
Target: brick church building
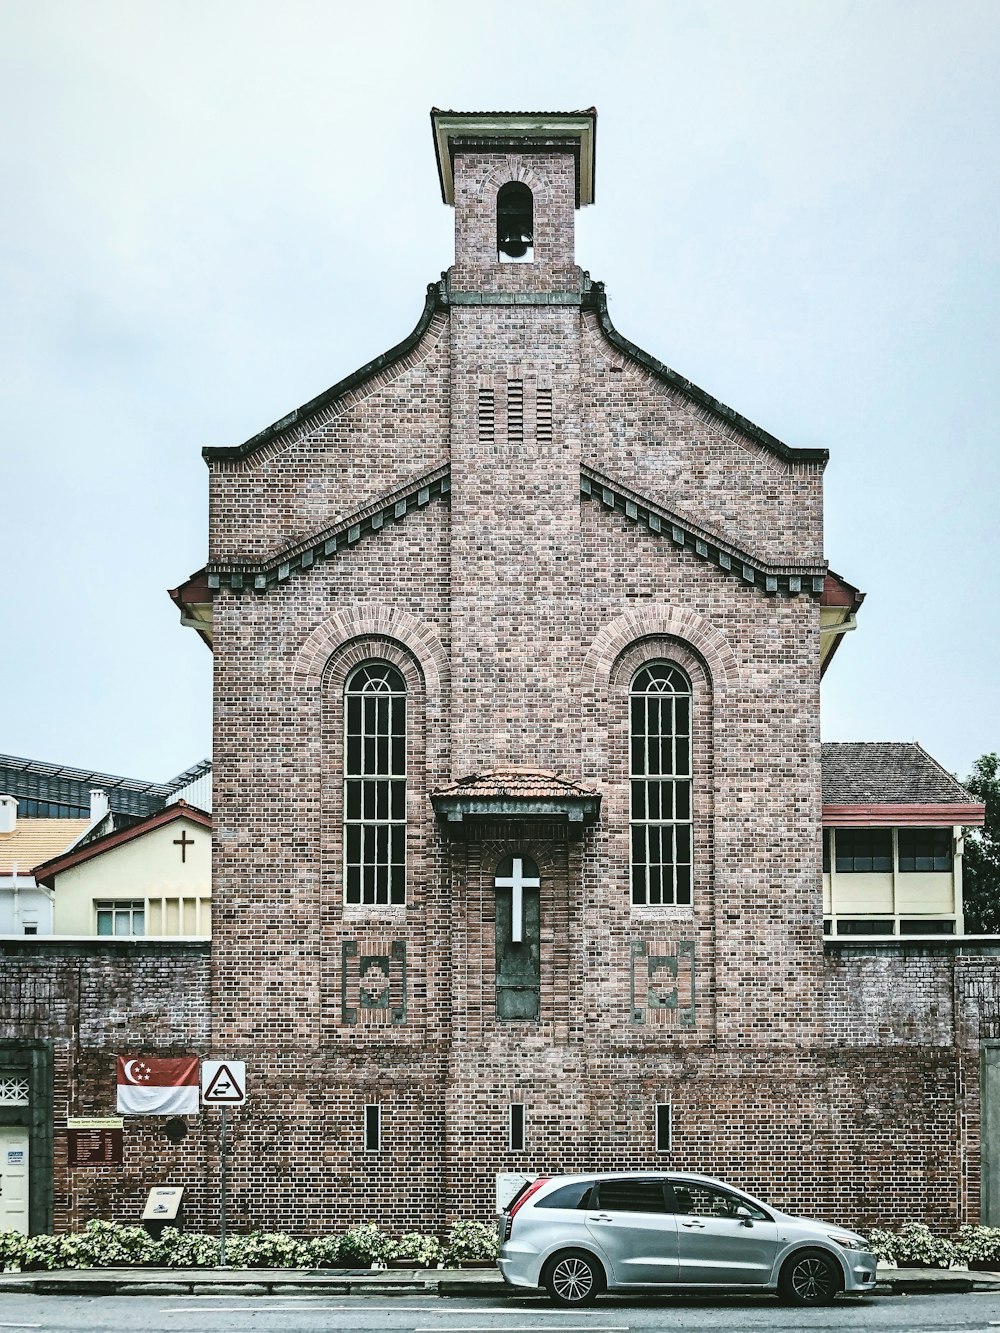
518, 798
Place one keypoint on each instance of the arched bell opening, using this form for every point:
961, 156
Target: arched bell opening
515, 224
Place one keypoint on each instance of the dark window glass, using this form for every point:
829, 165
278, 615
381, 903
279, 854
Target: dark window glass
863, 850
826, 851
576, 1195
924, 849
663, 1127
872, 926
691, 1197
373, 1128
631, 1196
914, 926
516, 1126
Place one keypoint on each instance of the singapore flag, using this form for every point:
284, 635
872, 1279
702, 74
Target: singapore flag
151, 1086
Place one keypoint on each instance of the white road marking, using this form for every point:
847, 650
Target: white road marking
20, 1325
522, 1328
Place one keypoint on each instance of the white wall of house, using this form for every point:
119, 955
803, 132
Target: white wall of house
170, 893
25, 908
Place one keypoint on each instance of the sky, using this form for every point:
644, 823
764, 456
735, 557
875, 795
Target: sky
214, 209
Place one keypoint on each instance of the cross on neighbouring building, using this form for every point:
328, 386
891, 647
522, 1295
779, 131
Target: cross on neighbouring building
184, 842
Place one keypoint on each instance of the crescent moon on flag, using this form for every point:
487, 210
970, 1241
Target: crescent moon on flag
127, 1070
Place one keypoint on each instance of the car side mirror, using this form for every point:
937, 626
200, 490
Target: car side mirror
745, 1215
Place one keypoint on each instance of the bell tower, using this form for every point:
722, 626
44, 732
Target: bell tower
515, 181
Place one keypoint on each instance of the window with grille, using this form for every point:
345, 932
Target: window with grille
375, 785
13, 1090
660, 731
121, 917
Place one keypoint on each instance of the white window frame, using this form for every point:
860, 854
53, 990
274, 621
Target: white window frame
120, 907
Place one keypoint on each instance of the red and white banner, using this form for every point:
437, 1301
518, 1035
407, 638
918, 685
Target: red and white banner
148, 1085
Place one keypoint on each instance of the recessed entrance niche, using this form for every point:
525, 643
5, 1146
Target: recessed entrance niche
518, 958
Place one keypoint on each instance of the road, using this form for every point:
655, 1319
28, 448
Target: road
975, 1313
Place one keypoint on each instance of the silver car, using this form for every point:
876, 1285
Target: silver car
577, 1236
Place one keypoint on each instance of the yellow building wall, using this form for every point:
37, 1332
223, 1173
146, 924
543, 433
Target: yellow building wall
177, 893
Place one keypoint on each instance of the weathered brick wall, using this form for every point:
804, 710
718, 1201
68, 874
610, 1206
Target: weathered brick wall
93, 1003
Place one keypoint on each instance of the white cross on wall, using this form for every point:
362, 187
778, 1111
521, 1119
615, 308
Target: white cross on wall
517, 883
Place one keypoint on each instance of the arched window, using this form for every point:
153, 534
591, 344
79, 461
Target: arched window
375, 785
515, 222
660, 710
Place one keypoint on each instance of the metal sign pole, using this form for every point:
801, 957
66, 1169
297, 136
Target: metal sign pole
222, 1222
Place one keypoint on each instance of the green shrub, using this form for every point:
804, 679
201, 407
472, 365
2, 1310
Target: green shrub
423, 1251
188, 1249
266, 1249
109, 1245
11, 1248
324, 1251
978, 1245
52, 1252
471, 1240
364, 1245
916, 1244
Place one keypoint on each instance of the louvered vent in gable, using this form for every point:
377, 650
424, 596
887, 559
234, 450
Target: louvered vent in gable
543, 416
515, 411
487, 415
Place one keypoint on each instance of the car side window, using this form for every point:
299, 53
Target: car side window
708, 1201
631, 1196
576, 1195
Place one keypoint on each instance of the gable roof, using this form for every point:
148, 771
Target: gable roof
897, 781
46, 871
33, 840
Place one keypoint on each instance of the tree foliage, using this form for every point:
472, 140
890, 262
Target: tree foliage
981, 863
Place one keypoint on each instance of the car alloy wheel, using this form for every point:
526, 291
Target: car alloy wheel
810, 1280
572, 1280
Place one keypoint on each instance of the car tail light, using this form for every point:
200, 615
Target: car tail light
519, 1200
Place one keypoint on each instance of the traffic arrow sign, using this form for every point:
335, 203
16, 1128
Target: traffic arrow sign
223, 1082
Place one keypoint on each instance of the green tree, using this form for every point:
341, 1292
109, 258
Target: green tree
981, 863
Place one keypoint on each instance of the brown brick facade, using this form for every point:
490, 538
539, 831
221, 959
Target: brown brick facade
518, 610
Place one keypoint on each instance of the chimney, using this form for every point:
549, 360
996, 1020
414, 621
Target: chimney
8, 814
99, 804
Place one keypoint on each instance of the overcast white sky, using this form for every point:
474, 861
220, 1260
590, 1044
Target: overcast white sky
215, 209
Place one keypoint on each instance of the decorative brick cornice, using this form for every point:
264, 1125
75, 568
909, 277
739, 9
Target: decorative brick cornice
259, 576
595, 298
790, 579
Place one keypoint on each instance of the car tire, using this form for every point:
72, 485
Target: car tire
573, 1278
809, 1277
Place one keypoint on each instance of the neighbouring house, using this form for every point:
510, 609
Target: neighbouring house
26, 906
892, 841
153, 878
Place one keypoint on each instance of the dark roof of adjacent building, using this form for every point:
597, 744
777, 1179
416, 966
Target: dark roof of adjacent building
58, 790
887, 773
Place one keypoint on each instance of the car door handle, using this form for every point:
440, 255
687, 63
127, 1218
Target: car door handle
699, 1225
600, 1217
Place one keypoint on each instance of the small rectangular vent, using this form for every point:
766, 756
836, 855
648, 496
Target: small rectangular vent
543, 416
487, 416
515, 411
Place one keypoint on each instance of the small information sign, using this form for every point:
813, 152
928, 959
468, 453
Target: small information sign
95, 1147
164, 1203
